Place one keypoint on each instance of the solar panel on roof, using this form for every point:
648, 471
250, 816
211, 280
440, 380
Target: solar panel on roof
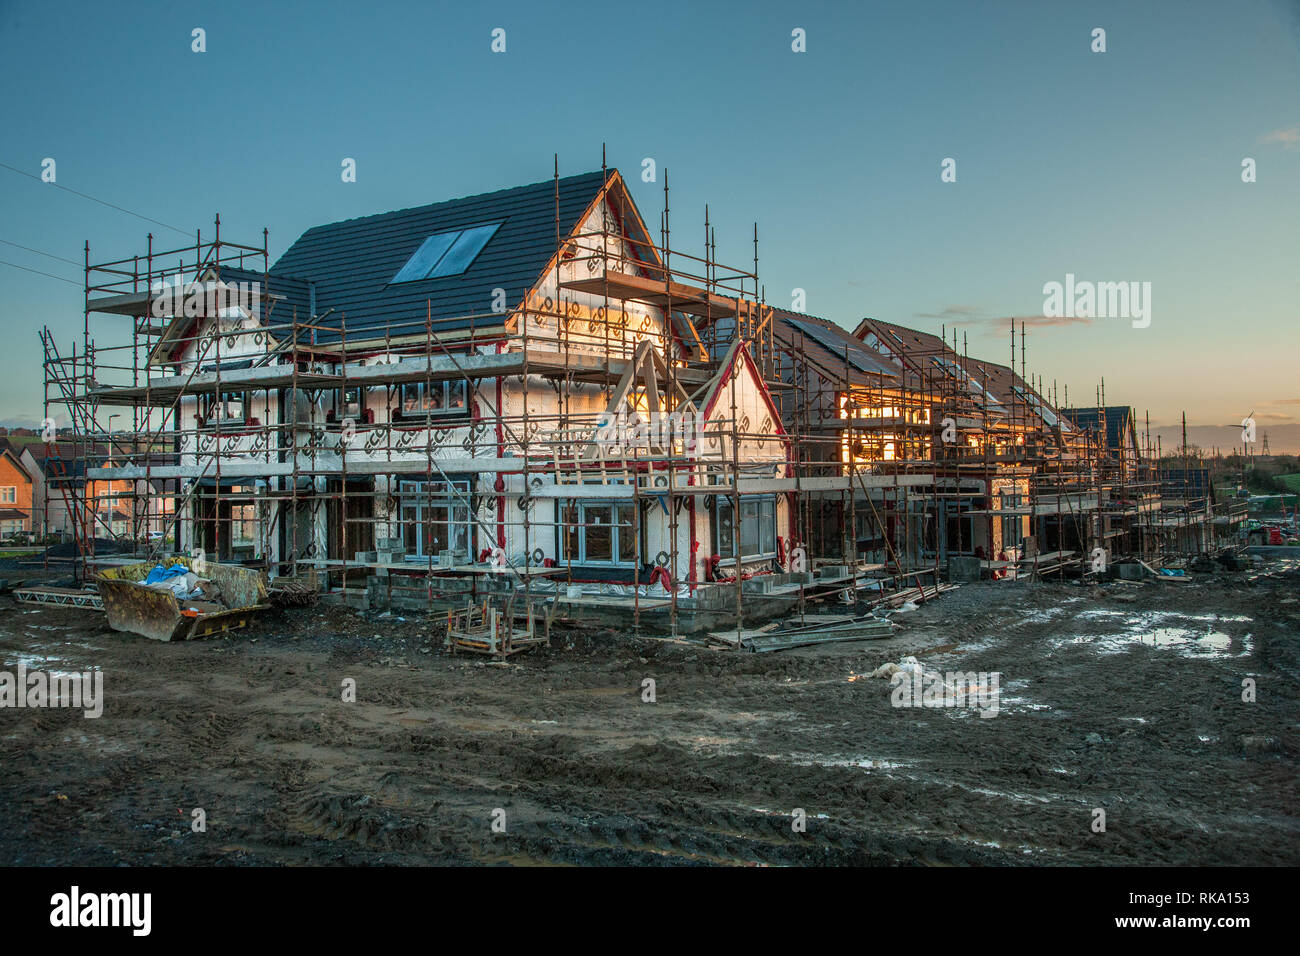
962, 374
857, 356
1043, 411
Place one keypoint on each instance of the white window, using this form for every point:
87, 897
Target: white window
419, 399
228, 408
599, 532
9, 495
435, 517
757, 526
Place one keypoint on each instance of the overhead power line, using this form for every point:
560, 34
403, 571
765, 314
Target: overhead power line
50, 255
14, 265
157, 222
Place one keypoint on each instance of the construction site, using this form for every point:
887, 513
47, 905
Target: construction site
500, 461
531, 397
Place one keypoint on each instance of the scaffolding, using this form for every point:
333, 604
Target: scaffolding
421, 461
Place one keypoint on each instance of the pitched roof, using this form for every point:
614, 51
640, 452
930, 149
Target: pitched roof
66, 453
922, 355
284, 295
351, 264
1017, 395
1119, 419
18, 465
831, 347
901, 337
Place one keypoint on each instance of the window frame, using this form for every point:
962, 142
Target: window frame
415, 494
724, 550
341, 403
449, 253
568, 530
449, 389
1011, 500
210, 400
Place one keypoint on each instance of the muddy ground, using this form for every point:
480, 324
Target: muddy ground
1126, 698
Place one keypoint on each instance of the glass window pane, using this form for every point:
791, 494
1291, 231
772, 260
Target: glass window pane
626, 533
725, 532
748, 537
571, 538
426, 257
598, 536
463, 252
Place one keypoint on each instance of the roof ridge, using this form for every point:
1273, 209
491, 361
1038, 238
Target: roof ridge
441, 202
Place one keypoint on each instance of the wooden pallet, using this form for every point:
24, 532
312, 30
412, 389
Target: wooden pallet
483, 629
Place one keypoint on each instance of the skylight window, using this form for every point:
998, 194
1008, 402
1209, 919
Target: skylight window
447, 253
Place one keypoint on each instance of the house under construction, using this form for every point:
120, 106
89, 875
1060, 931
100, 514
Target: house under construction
532, 393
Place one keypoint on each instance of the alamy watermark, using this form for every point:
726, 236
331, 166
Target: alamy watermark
75, 909
1075, 299
622, 432
174, 297
80, 691
978, 690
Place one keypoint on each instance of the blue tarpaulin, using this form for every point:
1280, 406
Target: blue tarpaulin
159, 573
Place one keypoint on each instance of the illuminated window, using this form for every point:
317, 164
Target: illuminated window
434, 398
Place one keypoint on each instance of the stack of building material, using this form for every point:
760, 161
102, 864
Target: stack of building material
815, 629
897, 599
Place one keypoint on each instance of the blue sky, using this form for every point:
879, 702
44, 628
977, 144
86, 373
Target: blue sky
1115, 166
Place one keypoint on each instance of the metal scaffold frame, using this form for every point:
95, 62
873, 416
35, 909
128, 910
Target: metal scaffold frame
868, 458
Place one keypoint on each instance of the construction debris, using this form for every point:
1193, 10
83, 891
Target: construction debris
228, 599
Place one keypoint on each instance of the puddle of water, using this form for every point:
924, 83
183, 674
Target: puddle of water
1175, 636
100, 745
1183, 640
784, 813
1020, 797
45, 663
829, 760
707, 741
1190, 635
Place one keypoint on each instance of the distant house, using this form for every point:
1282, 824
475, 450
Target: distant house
15, 495
48, 463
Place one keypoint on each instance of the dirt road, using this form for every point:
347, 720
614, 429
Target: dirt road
1126, 698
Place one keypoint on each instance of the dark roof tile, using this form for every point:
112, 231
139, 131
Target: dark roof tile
351, 263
